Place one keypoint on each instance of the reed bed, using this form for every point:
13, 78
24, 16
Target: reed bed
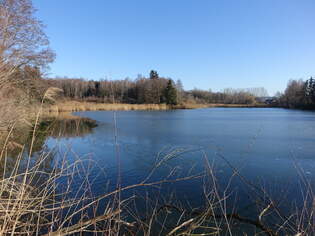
213, 105
73, 106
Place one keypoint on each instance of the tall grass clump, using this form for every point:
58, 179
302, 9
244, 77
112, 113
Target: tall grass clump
36, 197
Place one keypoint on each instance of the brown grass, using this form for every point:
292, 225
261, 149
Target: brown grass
212, 105
73, 106
32, 203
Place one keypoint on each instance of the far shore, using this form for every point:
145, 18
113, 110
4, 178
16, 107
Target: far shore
63, 109
73, 106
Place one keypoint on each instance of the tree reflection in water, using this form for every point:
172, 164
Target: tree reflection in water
20, 144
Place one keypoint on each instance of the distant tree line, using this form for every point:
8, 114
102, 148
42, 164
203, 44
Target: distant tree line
298, 94
227, 96
155, 90
151, 90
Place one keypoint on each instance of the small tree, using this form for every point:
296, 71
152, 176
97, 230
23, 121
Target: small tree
312, 89
170, 93
309, 91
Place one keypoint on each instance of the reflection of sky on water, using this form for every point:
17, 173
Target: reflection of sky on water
265, 144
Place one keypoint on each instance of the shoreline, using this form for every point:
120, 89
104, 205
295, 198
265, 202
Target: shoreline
74, 106
64, 109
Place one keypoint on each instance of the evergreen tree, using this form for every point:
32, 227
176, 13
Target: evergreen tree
154, 74
309, 85
170, 93
312, 90
97, 88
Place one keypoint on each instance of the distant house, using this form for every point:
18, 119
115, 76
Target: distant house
266, 100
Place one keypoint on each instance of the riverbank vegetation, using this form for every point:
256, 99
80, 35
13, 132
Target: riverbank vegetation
298, 94
73, 106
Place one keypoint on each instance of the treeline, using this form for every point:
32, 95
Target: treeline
149, 90
152, 90
227, 96
298, 94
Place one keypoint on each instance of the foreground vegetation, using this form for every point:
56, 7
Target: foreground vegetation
45, 195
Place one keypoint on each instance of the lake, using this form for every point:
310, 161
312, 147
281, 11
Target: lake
250, 151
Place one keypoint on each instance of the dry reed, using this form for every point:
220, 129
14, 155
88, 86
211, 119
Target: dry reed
73, 106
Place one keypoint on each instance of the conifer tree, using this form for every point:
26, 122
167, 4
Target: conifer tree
170, 93
154, 74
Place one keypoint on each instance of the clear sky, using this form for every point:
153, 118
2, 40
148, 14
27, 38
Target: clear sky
206, 43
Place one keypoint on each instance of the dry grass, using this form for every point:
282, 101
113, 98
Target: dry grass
196, 106
73, 106
37, 198
13, 108
34, 203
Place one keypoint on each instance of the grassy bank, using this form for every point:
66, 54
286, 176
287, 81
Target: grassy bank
27, 115
24, 116
72, 106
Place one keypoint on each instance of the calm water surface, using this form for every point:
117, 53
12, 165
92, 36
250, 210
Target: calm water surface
267, 146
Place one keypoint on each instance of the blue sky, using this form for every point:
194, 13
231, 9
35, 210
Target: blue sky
206, 43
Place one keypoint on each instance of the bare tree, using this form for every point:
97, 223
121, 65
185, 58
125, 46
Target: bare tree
294, 94
180, 90
257, 92
22, 39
